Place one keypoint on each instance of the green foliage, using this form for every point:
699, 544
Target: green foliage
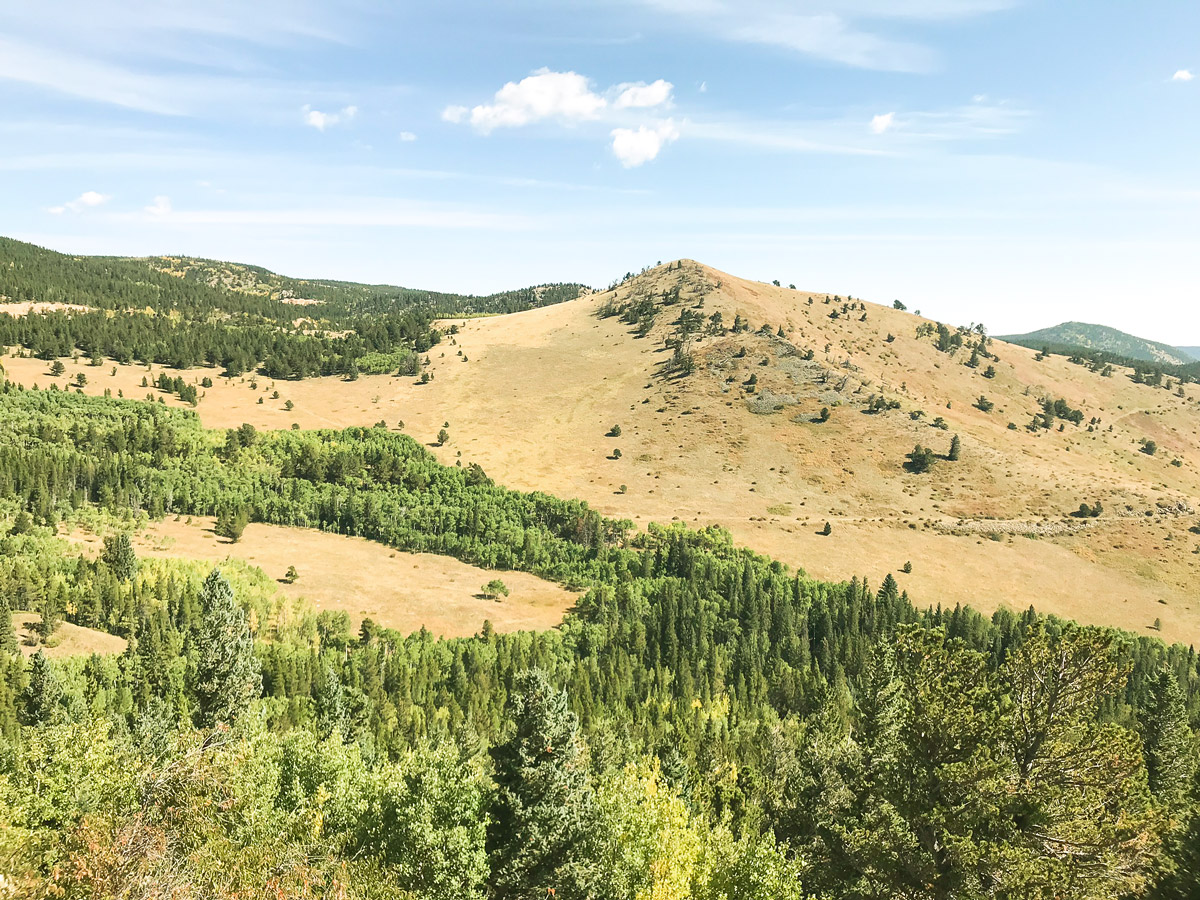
920, 460
543, 813
227, 672
495, 588
44, 696
955, 449
1168, 741
726, 700
119, 556
984, 404
232, 524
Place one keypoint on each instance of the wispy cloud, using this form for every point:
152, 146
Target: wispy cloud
1183, 75
883, 122
322, 120
86, 200
367, 214
827, 29
160, 207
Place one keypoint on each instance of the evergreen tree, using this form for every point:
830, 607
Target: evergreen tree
43, 694
232, 524
227, 678
120, 557
8, 638
329, 702
1168, 742
955, 449
543, 810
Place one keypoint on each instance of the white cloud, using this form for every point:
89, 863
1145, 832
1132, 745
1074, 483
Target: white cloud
407, 137
320, 120
633, 147
642, 95
1183, 75
542, 95
160, 207
704, 87
83, 201
883, 122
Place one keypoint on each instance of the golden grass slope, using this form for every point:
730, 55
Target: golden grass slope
531, 396
405, 591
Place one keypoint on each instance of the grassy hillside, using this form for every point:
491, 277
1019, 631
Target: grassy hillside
1080, 335
533, 397
707, 723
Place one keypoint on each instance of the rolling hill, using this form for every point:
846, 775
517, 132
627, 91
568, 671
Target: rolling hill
1070, 335
718, 386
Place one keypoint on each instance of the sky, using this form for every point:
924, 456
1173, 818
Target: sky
1011, 162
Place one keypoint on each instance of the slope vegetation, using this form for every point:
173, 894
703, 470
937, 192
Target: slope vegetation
721, 423
1107, 340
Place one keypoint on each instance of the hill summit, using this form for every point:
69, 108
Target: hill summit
1085, 336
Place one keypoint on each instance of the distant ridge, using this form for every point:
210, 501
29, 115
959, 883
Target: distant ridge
1086, 336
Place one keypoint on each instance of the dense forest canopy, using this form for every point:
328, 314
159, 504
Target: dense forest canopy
708, 723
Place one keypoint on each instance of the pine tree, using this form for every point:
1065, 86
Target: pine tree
955, 449
227, 672
1167, 740
329, 701
43, 695
8, 639
543, 809
119, 556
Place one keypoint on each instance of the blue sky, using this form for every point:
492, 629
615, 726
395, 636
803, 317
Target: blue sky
1016, 162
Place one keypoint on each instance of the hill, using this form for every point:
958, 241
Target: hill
185, 312
707, 721
258, 281
721, 423
1080, 335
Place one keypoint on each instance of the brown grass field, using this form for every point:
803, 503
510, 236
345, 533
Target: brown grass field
538, 391
67, 640
406, 591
